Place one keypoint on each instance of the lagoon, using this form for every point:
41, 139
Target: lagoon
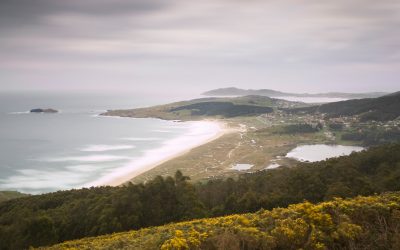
320, 152
242, 166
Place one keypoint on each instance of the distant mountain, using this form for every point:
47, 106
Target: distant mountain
243, 92
273, 93
379, 109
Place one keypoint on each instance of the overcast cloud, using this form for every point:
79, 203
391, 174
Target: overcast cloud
181, 45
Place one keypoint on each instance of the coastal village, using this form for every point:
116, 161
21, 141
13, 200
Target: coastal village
330, 125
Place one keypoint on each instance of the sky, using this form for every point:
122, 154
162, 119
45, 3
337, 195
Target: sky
193, 46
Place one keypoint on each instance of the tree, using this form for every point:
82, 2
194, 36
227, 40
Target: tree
40, 231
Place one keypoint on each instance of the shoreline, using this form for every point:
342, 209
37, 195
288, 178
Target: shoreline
170, 150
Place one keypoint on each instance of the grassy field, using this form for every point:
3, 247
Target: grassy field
252, 142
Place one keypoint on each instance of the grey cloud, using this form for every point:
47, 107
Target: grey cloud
176, 41
28, 10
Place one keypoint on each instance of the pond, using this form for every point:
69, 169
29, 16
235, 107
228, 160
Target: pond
272, 166
320, 152
241, 167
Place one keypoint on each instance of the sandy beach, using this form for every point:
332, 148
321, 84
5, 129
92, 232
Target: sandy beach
202, 132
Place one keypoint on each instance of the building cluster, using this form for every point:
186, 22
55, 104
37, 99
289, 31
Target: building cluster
318, 119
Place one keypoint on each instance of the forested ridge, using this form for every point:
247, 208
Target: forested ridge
8, 195
297, 128
55, 217
373, 135
357, 223
380, 109
226, 109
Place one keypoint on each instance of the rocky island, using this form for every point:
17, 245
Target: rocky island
40, 110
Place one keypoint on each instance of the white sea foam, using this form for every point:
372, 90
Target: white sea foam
108, 116
80, 173
198, 133
162, 131
89, 158
98, 112
102, 148
19, 113
142, 138
84, 168
33, 180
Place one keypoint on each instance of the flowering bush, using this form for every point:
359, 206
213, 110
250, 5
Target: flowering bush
362, 222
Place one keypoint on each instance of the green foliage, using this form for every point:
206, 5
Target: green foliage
383, 108
359, 223
379, 109
226, 109
364, 173
40, 231
55, 217
8, 195
337, 126
373, 136
298, 128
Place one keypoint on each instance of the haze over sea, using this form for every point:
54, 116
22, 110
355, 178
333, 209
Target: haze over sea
76, 147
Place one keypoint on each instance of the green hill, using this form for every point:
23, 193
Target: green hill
383, 108
9, 195
359, 223
209, 107
380, 109
226, 109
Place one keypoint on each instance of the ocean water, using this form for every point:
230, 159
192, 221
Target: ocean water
76, 147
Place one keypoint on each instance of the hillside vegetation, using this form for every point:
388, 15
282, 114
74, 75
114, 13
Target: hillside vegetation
364, 173
298, 128
9, 195
65, 215
226, 109
373, 135
380, 109
359, 223
209, 107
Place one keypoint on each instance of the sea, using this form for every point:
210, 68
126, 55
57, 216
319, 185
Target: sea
76, 147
